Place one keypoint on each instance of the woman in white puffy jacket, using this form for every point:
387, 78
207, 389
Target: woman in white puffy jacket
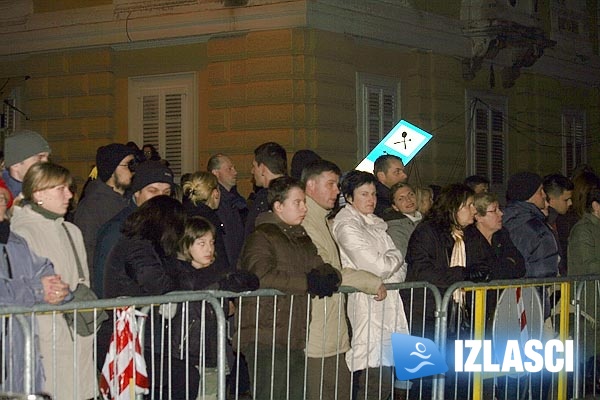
365, 245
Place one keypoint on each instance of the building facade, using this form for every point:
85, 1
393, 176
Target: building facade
503, 85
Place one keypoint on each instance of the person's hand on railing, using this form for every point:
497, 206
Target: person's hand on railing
55, 290
381, 293
479, 273
323, 281
240, 281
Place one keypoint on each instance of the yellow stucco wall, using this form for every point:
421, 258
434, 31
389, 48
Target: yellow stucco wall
293, 86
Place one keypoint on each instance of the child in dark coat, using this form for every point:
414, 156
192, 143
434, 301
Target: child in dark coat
194, 328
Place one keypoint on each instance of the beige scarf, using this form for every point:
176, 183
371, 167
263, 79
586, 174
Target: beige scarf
458, 259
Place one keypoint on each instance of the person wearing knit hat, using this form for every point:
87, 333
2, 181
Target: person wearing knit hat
108, 160
522, 185
527, 227
22, 149
151, 179
104, 197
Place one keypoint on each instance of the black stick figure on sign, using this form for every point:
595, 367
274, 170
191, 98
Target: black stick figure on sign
404, 140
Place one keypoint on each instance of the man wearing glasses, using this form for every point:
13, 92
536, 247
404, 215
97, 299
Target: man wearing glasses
104, 198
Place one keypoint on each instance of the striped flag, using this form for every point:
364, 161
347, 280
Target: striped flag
124, 372
522, 317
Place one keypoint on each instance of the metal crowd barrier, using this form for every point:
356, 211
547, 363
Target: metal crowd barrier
275, 357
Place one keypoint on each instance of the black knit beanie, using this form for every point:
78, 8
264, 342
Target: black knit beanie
109, 157
521, 186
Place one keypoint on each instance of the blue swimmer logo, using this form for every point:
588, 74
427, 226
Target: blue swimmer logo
416, 357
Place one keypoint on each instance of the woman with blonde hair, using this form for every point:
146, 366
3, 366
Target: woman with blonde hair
424, 197
201, 197
67, 357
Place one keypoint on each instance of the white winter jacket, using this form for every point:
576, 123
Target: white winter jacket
365, 245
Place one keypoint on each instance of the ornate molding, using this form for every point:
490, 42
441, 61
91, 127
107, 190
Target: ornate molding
524, 45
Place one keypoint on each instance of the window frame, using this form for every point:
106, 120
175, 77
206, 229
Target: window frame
490, 102
186, 83
570, 114
364, 81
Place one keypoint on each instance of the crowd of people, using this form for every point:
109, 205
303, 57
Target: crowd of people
135, 232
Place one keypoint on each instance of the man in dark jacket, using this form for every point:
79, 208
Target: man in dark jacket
233, 209
388, 170
104, 197
270, 162
533, 237
151, 179
559, 190
525, 222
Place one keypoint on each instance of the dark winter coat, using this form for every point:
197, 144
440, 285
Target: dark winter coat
189, 338
383, 199
259, 206
533, 238
428, 258
135, 268
99, 205
501, 257
108, 236
232, 211
280, 255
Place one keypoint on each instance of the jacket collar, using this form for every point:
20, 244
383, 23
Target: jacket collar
269, 217
316, 210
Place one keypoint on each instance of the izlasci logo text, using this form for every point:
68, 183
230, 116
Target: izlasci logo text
416, 357
533, 356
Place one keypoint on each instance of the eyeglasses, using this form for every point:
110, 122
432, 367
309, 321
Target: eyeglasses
130, 165
3, 201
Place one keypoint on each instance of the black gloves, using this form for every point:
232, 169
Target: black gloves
239, 281
323, 281
479, 273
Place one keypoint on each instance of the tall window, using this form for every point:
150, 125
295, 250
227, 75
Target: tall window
574, 140
487, 140
378, 109
162, 113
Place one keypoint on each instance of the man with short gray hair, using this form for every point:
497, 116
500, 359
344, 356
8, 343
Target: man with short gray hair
232, 208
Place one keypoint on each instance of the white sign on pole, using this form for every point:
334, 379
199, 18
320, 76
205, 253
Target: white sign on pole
405, 140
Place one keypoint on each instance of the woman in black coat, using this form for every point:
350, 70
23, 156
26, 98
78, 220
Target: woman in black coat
142, 264
489, 248
436, 250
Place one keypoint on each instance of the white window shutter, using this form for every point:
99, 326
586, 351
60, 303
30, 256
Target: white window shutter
163, 114
481, 142
574, 141
151, 120
497, 149
162, 126
488, 146
173, 131
381, 113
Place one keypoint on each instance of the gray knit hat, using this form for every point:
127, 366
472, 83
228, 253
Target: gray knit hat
23, 144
